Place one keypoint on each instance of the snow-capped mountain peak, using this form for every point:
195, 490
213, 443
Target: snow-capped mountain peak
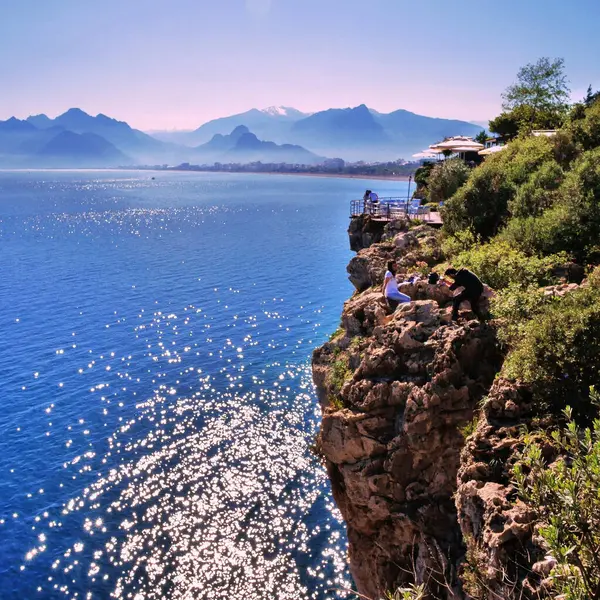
277, 111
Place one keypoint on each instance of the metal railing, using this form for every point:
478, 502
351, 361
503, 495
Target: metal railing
389, 208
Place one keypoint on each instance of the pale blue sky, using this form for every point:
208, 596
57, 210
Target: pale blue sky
178, 63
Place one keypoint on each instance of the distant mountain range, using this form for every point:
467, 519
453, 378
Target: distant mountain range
358, 133
242, 146
275, 134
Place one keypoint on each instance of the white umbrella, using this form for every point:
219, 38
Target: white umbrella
454, 143
464, 149
425, 154
491, 150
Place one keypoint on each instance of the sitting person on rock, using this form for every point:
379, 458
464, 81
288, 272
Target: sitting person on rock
472, 290
390, 289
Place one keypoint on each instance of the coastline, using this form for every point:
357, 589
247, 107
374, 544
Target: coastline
328, 175
117, 169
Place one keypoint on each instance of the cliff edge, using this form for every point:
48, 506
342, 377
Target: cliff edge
395, 400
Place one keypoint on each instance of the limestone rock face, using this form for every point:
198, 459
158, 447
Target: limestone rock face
364, 231
398, 243
393, 450
422, 503
498, 528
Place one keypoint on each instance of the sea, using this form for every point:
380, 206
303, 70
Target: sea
157, 413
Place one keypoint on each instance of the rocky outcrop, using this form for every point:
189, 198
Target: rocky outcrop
417, 247
395, 398
420, 436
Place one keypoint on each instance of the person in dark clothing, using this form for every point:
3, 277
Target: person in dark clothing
473, 288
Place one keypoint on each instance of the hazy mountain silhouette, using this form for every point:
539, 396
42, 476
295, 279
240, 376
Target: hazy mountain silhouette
23, 144
243, 146
341, 131
14, 125
40, 121
131, 141
271, 123
80, 150
357, 133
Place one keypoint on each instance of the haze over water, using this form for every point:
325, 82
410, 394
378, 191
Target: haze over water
157, 406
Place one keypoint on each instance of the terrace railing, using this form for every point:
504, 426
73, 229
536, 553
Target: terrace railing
389, 208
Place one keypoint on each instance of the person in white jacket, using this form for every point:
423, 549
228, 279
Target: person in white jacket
390, 287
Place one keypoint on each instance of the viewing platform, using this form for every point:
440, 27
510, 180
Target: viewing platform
390, 208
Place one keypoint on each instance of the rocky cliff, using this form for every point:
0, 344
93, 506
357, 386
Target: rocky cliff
424, 487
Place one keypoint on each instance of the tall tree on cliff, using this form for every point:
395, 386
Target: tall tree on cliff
539, 99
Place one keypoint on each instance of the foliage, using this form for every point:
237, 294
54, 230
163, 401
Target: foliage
565, 495
468, 428
538, 100
338, 375
459, 241
524, 119
514, 307
506, 124
591, 96
422, 179
572, 221
446, 178
500, 265
541, 86
481, 205
339, 332
412, 592
481, 137
558, 351
586, 129
536, 194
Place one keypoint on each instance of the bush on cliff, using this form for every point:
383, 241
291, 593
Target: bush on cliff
446, 178
558, 351
422, 180
572, 221
565, 496
500, 265
482, 204
586, 130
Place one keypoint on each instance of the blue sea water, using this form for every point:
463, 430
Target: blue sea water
157, 409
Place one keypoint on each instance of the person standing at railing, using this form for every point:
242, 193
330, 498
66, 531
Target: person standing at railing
366, 200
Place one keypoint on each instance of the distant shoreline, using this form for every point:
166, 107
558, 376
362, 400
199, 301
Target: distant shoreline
287, 174
335, 175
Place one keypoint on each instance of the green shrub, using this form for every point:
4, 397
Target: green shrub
536, 194
558, 351
500, 265
514, 307
482, 204
446, 178
572, 224
412, 592
338, 375
458, 242
586, 130
565, 496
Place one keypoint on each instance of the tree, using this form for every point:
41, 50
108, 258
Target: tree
538, 100
506, 125
541, 85
481, 137
591, 96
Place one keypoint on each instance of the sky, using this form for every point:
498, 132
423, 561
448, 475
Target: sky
175, 64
